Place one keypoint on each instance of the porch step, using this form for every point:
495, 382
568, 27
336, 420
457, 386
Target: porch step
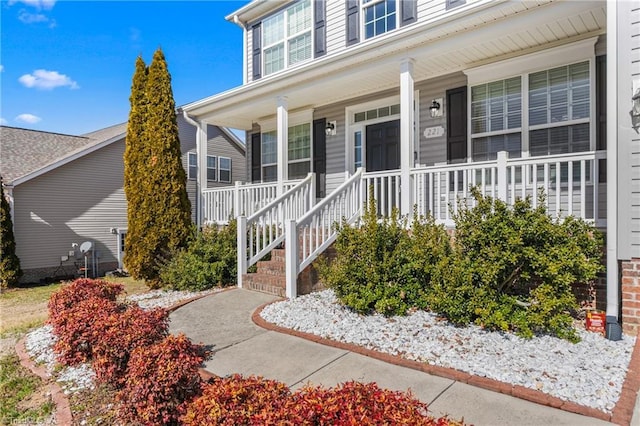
265, 283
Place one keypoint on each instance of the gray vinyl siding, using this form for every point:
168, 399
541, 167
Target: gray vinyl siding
434, 150
628, 140
187, 135
249, 53
79, 201
336, 22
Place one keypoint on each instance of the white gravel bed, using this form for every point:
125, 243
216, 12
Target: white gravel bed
590, 373
40, 341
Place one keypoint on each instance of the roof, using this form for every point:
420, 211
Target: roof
25, 152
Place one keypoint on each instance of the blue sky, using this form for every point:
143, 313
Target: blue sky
66, 66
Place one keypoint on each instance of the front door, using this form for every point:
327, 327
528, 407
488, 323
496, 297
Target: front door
383, 146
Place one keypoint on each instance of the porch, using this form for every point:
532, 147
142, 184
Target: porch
268, 216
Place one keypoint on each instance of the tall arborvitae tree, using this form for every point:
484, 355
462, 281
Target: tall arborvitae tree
10, 271
135, 154
162, 220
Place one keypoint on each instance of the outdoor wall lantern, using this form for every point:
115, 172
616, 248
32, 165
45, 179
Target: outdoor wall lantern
330, 130
435, 108
635, 110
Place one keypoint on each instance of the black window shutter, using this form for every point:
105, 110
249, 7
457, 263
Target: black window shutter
601, 102
353, 22
256, 160
457, 125
257, 51
320, 28
409, 12
320, 155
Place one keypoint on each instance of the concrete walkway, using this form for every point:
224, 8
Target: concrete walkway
223, 322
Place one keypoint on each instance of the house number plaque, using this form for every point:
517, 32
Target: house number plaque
433, 132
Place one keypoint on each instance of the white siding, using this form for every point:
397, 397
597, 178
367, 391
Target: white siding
628, 140
429, 10
249, 54
336, 22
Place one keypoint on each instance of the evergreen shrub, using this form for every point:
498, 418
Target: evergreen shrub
10, 271
513, 268
210, 260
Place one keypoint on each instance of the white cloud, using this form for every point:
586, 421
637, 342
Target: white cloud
38, 4
3, 121
31, 18
28, 118
47, 80
1, 67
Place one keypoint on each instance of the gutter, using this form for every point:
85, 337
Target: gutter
199, 131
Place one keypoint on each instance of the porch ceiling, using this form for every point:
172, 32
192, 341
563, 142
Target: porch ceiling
497, 31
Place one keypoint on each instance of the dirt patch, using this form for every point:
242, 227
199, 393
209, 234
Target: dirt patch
7, 345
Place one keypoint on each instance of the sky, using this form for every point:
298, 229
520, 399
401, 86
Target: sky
66, 66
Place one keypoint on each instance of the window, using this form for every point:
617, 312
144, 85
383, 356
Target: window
496, 119
559, 107
212, 168
225, 169
192, 169
269, 151
299, 150
357, 150
454, 3
287, 37
379, 17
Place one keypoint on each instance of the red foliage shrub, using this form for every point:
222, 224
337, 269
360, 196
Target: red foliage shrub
237, 400
160, 379
81, 289
80, 328
122, 332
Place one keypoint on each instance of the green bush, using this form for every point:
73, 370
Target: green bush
210, 260
513, 268
381, 266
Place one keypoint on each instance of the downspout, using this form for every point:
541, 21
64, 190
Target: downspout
199, 185
241, 24
613, 329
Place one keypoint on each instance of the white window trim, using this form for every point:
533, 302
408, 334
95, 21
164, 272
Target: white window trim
581, 51
220, 169
364, 6
208, 168
286, 39
263, 165
189, 156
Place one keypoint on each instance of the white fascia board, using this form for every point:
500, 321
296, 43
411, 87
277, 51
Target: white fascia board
65, 160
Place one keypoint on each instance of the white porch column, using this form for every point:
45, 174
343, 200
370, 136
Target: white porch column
407, 119
201, 179
282, 128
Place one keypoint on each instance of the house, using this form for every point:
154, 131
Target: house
67, 190
421, 99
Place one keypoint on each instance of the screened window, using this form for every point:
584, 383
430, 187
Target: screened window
379, 17
299, 150
269, 151
225, 169
496, 119
287, 37
192, 166
212, 169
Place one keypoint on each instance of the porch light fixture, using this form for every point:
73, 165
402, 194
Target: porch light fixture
330, 129
635, 110
434, 109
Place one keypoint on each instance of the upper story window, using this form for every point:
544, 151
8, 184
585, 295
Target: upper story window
287, 37
379, 17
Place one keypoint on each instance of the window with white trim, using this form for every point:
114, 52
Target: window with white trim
287, 37
224, 165
496, 119
192, 166
212, 169
299, 150
379, 17
357, 149
269, 153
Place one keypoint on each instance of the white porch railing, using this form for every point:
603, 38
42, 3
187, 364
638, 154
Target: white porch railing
569, 181
261, 232
221, 204
314, 232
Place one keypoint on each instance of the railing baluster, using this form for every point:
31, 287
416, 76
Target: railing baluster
558, 188
583, 188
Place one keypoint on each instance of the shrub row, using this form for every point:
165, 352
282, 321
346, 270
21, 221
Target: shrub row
154, 373
507, 268
256, 401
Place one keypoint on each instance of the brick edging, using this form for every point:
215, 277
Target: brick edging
622, 412
63, 414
